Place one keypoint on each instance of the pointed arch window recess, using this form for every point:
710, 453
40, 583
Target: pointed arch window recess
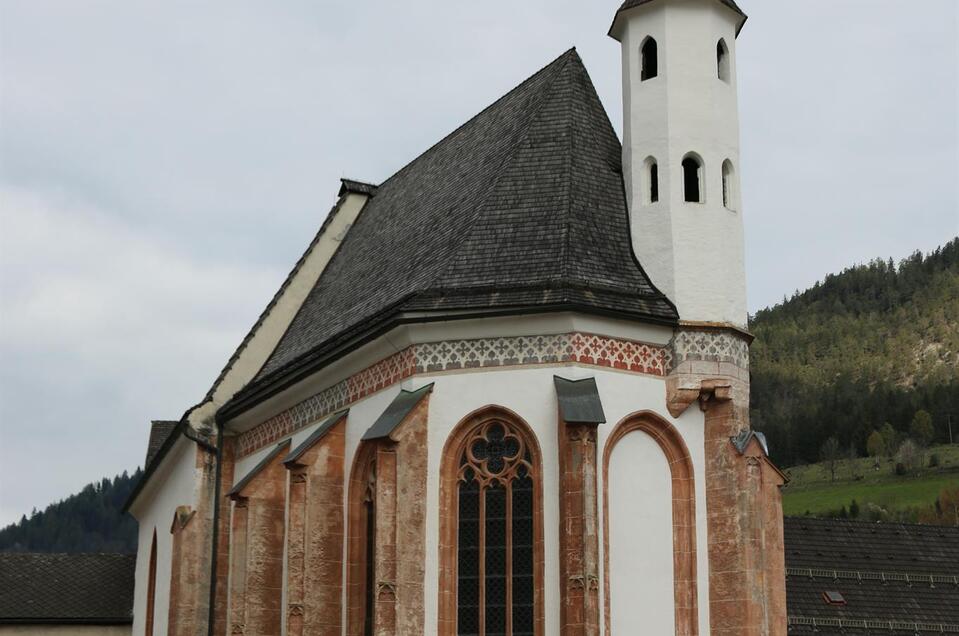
650, 59
722, 60
692, 179
495, 534
369, 584
728, 194
362, 550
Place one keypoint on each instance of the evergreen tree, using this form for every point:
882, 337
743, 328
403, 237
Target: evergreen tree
89, 521
921, 428
876, 447
873, 344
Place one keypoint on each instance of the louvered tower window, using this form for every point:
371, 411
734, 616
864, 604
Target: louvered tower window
495, 534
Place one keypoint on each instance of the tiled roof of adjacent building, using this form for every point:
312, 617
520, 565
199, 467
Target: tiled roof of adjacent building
520, 209
884, 578
66, 588
160, 430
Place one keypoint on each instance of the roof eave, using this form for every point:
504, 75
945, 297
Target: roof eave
321, 356
614, 32
237, 491
182, 428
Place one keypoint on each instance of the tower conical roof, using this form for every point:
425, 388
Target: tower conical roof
630, 4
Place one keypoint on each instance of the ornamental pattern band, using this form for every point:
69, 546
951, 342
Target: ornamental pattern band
450, 355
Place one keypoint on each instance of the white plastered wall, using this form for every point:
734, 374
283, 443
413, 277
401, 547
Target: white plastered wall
172, 485
692, 251
640, 507
530, 393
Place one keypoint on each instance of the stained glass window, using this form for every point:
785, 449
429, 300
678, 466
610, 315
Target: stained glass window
495, 535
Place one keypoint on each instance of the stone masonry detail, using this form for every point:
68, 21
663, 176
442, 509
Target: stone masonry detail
451, 355
743, 509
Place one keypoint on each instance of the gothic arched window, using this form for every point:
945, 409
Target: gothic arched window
650, 60
722, 60
493, 547
151, 587
652, 178
692, 179
361, 573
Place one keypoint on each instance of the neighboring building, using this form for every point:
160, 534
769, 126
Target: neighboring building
857, 578
505, 391
66, 594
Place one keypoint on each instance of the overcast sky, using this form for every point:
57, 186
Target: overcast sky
164, 164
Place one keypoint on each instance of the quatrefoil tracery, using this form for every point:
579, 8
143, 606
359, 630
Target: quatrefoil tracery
494, 453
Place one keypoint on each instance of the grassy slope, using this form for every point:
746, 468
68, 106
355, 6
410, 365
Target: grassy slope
811, 490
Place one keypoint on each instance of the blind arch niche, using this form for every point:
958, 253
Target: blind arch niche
653, 436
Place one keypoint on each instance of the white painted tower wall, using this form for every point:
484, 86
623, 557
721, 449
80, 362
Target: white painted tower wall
692, 251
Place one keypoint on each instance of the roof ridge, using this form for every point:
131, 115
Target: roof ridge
865, 522
503, 167
270, 306
569, 187
469, 121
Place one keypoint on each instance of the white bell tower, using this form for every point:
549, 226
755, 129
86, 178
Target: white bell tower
681, 151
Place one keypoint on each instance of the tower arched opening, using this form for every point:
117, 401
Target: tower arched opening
652, 180
722, 60
693, 179
650, 59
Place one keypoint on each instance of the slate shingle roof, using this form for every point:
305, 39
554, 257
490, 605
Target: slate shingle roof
159, 432
66, 588
359, 187
891, 575
520, 208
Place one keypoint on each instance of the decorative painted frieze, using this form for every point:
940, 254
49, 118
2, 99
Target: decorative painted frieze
709, 346
452, 355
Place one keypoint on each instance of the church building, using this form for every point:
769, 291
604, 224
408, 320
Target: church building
503, 392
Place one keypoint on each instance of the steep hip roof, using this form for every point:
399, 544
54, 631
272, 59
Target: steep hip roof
520, 209
92, 589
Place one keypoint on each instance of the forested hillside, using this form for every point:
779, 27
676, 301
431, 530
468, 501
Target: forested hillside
872, 345
89, 521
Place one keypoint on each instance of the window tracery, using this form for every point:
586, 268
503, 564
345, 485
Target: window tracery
494, 556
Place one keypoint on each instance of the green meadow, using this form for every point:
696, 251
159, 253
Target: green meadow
811, 490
